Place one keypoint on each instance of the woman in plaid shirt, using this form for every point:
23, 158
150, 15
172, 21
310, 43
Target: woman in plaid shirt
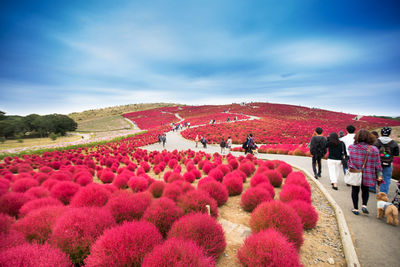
372, 171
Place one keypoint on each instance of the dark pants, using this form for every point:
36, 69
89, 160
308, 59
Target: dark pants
355, 190
316, 160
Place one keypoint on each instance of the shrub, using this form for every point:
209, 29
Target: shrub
225, 169
4, 186
11, 202
258, 178
233, 163
172, 191
196, 173
296, 174
11, 239
61, 176
274, 177
298, 180
216, 190
78, 228
234, 184
37, 225
163, 212
64, 191
207, 167
189, 177
5, 223
268, 248
121, 181
254, 196
38, 203
37, 192
217, 174
145, 166
138, 184
203, 230
84, 179
294, 192
166, 175
49, 183
248, 168
27, 255
24, 184
205, 180
124, 245
92, 195
279, 216
284, 169
157, 188
307, 213
196, 200
127, 206
178, 252
107, 176
174, 177
240, 174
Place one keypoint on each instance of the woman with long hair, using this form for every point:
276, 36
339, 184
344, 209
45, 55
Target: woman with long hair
372, 171
336, 150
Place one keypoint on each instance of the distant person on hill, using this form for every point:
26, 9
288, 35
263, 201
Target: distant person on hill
337, 150
372, 172
348, 140
164, 139
222, 144
388, 148
197, 139
229, 144
317, 150
159, 138
251, 144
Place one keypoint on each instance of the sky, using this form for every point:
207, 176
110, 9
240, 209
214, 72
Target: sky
69, 56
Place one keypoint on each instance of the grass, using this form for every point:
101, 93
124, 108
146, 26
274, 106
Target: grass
30, 142
109, 123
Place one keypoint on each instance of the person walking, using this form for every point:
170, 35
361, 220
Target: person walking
388, 148
363, 150
317, 150
229, 144
222, 144
197, 139
164, 139
345, 157
348, 140
336, 150
204, 142
251, 144
159, 138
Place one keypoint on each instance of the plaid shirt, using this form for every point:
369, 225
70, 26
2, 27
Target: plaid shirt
357, 153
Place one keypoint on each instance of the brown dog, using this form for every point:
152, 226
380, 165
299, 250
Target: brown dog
388, 209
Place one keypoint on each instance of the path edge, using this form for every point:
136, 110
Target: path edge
348, 246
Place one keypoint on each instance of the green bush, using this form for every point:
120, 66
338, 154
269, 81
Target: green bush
53, 136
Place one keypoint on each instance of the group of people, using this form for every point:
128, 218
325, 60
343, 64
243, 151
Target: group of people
179, 126
162, 138
249, 144
349, 152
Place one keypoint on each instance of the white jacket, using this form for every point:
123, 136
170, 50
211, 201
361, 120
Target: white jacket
348, 140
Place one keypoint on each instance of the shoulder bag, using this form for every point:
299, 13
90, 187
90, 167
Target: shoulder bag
345, 157
354, 176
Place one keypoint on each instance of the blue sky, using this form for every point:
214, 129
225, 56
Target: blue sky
66, 56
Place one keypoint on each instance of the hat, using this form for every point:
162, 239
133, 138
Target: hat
341, 134
386, 131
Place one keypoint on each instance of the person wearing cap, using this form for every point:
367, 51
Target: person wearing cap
387, 167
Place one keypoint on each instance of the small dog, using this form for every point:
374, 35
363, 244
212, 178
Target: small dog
388, 209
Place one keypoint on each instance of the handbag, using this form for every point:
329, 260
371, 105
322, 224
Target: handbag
345, 158
354, 176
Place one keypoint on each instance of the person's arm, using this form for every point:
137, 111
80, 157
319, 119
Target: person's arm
395, 149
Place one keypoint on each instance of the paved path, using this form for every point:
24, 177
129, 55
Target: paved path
376, 242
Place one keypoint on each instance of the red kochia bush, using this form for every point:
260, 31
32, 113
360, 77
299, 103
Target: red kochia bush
297, 180
307, 213
4, 186
121, 181
268, 248
248, 168
258, 178
189, 177
254, 196
28, 255
157, 188
233, 163
196, 200
38, 192
11, 202
174, 177
127, 206
107, 176
124, 245
37, 225
217, 174
178, 252
172, 191
207, 167
5, 223
234, 184
38, 203
91, 195
138, 184
279, 216
284, 169
163, 212
216, 190
11, 239
294, 192
64, 191
78, 228
274, 177
196, 173
49, 183
24, 184
204, 230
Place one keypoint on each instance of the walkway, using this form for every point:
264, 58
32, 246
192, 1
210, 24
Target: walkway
377, 243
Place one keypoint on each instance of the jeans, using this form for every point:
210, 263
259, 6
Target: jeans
355, 190
387, 176
316, 160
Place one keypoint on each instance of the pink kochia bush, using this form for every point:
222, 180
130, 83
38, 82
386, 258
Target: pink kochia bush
178, 252
38, 203
157, 188
279, 216
216, 190
11, 239
128, 206
163, 212
274, 177
28, 255
294, 192
11, 202
298, 178
78, 228
284, 169
253, 197
138, 183
196, 200
5, 223
92, 195
24, 184
233, 183
268, 248
64, 191
307, 213
124, 245
203, 230
38, 192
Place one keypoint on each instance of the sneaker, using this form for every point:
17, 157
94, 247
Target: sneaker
355, 212
316, 177
364, 210
319, 175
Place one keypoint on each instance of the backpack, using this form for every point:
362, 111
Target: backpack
244, 145
385, 153
319, 148
222, 144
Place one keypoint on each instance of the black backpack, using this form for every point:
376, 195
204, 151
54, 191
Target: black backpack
385, 152
222, 144
244, 145
319, 148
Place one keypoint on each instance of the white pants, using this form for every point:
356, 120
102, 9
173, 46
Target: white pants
334, 167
